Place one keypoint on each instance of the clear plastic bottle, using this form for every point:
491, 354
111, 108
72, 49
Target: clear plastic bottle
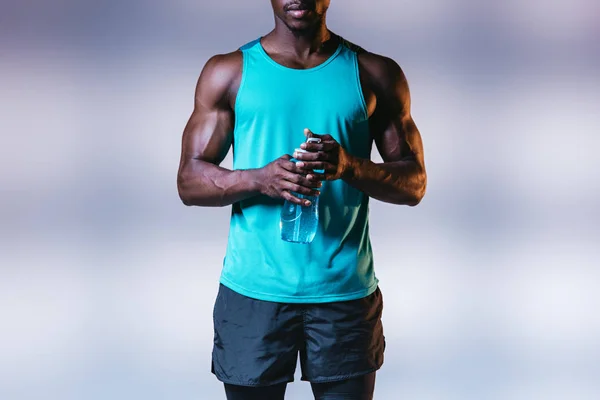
299, 222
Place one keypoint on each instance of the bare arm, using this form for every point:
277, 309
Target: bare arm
401, 178
207, 139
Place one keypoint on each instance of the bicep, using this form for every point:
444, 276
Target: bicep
393, 128
208, 133
399, 140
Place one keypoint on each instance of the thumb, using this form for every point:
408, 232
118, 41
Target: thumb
310, 134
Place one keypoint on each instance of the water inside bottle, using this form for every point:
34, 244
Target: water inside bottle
299, 222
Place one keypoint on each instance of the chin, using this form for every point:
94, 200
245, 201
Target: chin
302, 25
294, 26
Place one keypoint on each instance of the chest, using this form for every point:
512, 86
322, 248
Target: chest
305, 96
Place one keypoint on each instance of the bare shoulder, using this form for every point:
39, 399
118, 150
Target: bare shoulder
224, 65
220, 77
381, 71
371, 64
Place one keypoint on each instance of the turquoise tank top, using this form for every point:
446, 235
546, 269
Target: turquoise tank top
273, 106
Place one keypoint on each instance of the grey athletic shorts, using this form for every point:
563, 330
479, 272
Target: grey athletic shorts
256, 342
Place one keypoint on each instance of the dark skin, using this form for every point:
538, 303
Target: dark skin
301, 40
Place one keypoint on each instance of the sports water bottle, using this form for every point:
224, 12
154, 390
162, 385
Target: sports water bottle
299, 222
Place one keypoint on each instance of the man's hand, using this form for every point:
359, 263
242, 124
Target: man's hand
328, 156
281, 177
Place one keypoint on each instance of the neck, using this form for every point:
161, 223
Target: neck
302, 43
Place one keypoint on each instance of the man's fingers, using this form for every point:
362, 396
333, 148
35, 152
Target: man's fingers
317, 165
318, 176
313, 156
291, 167
308, 133
302, 180
308, 182
311, 183
326, 136
286, 195
299, 188
323, 146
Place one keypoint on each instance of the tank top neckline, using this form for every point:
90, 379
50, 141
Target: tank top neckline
298, 70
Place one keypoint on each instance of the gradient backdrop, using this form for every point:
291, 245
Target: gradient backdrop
107, 281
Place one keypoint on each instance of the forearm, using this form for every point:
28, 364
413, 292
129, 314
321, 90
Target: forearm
201, 183
397, 182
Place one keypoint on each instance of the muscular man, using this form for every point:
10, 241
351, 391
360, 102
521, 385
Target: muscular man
278, 299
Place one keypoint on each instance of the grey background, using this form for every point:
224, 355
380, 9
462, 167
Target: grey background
107, 281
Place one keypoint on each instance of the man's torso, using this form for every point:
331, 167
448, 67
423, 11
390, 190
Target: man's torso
272, 103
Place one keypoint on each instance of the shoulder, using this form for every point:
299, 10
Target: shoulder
223, 67
230, 63
381, 71
350, 45
219, 76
